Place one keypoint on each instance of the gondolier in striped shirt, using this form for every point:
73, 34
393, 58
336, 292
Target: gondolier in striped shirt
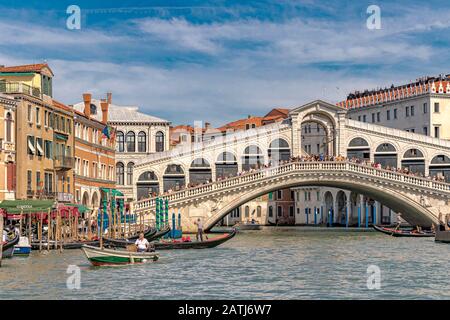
199, 224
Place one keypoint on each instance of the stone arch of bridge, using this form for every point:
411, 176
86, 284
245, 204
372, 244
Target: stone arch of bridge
411, 210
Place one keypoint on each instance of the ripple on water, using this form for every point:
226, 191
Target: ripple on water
286, 264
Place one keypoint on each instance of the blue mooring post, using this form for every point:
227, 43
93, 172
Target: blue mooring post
306, 212
315, 215
321, 214
166, 220
346, 217
374, 214
329, 218
367, 215
173, 225
359, 216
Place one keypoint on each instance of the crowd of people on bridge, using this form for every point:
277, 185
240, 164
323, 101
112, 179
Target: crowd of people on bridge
309, 158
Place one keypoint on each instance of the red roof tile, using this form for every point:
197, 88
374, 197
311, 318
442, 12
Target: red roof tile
26, 68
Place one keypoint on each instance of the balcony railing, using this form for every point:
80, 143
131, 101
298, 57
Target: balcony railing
63, 163
19, 87
64, 197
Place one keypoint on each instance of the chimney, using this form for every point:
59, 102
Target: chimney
104, 105
207, 125
87, 104
109, 97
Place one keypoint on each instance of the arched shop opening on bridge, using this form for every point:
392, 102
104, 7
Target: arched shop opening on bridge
440, 167
252, 158
414, 161
315, 138
147, 184
200, 171
278, 151
386, 155
173, 177
226, 165
358, 148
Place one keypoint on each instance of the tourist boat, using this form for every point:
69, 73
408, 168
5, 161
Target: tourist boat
23, 247
179, 244
149, 233
404, 233
8, 247
109, 257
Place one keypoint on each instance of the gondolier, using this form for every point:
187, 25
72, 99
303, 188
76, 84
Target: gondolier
199, 224
142, 244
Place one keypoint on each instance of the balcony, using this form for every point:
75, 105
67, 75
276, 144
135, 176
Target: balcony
63, 163
19, 87
64, 197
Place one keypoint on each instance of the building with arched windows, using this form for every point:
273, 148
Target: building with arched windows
137, 135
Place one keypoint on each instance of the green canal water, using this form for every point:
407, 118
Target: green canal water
278, 263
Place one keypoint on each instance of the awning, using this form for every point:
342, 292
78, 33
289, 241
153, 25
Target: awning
40, 150
30, 145
114, 192
61, 136
26, 206
81, 209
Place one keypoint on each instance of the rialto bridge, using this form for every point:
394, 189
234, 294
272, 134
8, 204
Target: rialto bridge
216, 162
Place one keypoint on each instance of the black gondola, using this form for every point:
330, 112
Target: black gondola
169, 245
404, 233
159, 234
68, 245
8, 247
149, 233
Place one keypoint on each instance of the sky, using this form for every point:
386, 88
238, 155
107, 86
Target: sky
218, 61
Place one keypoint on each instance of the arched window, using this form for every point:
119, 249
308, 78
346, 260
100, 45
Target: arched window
258, 211
142, 142
247, 211
130, 166
358, 142
159, 140
120, 142
131, 142
119, 173
8, 127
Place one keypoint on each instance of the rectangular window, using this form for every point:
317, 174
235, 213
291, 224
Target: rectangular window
279, 211
412, 111
38, 180
359, 118
425, 131
425, 108
378, 117
29, 115
291, 211
436, 107
395, 113
292, 195
373, 117
45, 118
388, 114
29, 180
279, 194
364, 118
318, 195
436, 132
38, 118
306, 196
407, 111
39, 147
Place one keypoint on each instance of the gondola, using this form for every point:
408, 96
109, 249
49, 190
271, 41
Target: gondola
403, 233
8, 247
108, 257
169, 245
68, 245
159, 234
442, 236
149, 233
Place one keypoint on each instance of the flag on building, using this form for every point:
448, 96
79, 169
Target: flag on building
108, 132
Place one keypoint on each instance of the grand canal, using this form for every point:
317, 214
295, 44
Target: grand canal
290, 263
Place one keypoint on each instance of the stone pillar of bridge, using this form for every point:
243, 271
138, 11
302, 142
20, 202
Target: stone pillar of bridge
362, 209
339, 139
296, 137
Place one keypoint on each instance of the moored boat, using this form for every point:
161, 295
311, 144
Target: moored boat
23, 247
109, 257
148, 233
442, 236
404, 233
159, 234
35, 245
249, 226
179, 244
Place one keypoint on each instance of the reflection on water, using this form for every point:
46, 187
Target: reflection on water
278, 264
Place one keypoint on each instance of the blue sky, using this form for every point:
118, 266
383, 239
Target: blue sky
219, 61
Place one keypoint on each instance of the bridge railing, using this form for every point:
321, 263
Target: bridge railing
292, 167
